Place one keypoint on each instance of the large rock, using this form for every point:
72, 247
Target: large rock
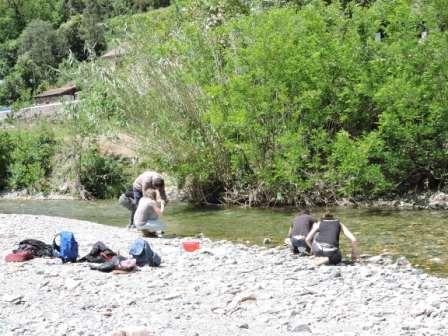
438, 201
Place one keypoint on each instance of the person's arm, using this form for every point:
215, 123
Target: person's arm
157, 210
309, 237
162, 207
163, 194
163, 199
352, 239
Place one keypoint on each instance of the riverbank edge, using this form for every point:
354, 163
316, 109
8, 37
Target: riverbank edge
424, 201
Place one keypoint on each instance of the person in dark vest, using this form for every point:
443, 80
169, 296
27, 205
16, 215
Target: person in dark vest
299, 229
326, 240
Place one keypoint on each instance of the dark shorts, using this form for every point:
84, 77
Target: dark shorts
137, 195
299, 246
324, 250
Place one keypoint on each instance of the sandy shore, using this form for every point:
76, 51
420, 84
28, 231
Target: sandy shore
222, 289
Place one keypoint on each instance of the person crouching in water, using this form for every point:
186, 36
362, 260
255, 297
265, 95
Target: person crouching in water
326, 240
299, 229
146, 217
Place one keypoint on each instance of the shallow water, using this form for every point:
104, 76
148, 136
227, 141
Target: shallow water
421, 235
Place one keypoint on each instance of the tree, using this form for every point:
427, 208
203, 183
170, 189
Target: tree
92, 29
42, 50
71, 36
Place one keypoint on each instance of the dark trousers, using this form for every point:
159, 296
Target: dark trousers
137, 196
324, 250
299, 246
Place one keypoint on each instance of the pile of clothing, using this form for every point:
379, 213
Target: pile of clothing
29, 249
101, 257
107, 259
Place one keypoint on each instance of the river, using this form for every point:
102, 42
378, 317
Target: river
421, 235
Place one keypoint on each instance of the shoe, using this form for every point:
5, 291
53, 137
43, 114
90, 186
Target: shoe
149, 234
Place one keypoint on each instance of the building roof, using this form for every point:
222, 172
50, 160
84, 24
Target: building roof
69, 89
115, 52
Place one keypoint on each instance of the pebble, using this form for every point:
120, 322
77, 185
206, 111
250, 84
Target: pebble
222, 289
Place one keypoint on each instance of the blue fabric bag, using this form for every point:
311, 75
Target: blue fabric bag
143, 253
68, 246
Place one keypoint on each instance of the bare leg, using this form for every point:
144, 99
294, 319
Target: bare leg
321, 261
131, 219
136, 199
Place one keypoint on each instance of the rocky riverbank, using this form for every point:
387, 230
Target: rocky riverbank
433, 201
221, 289
172, 192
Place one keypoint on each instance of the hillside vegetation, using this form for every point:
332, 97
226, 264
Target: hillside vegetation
266, 103
39, 38
287, 104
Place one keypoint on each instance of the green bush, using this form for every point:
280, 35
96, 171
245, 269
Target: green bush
103, 176
292, 104
6, 146
30, 158
351, 169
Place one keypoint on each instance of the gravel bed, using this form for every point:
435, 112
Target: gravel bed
221, 289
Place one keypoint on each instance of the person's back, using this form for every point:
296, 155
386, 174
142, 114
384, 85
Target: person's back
329, 231
326, 239
300, 227
145, 211
147, 179
147, 215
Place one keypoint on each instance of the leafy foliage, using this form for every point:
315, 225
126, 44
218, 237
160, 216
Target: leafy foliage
6, 146
40, 34
293, 104
26, 158
103, 176
262, 102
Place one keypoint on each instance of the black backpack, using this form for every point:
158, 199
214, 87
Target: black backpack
98, 254
35, 247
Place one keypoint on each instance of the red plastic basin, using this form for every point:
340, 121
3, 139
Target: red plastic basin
190, 246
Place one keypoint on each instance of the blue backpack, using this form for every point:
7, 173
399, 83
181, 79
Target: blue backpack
143, 253
68, 246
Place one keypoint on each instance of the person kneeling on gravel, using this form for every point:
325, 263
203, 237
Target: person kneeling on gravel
326, 240
146, 217
299, 229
